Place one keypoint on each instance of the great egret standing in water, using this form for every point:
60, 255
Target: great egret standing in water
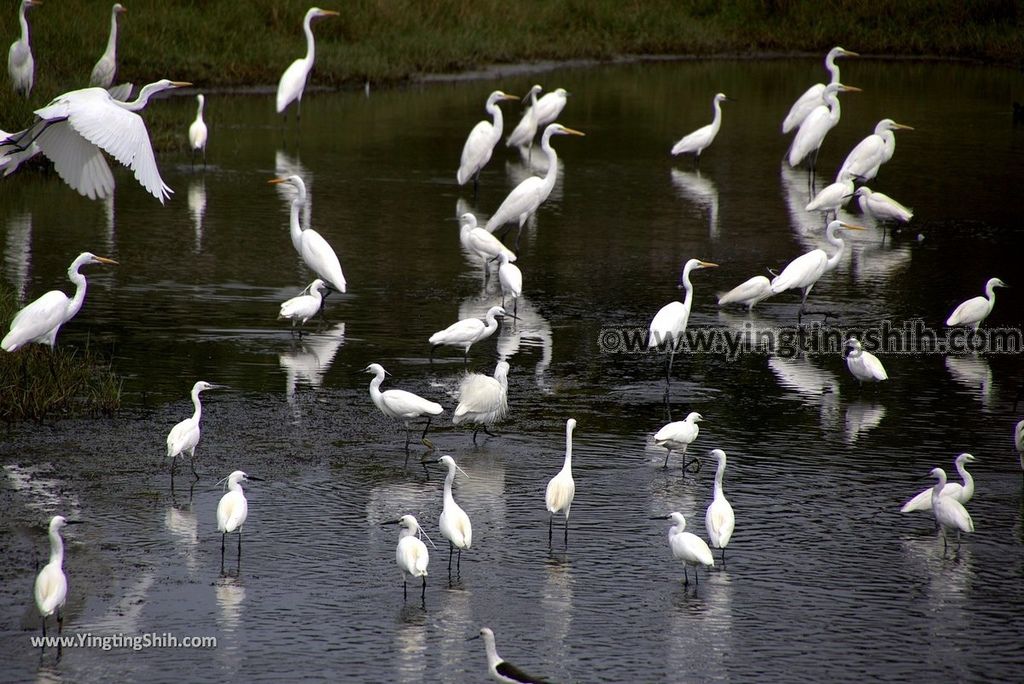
454, 523
950, 514
311, 245
467, 331
197, 132
748, 293
832, 198
561, 488
511, 279
480, 242
975, 310
483, 400
881, 207
411, 554
401, 405
961, 492
293, 80
20, 65
701, 138
686, 546
669, 324
813, 96
106, 68
720, 519
51, 588
480, 142
864, 365
550, 106
501, 670
870, 153
184, 437
678, 436
233, 510
819, 121
304, 306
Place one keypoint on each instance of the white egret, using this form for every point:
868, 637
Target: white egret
197, 132
105, 69
864, 365
304, 306
20, 65
315, 251
961, 492
822, 119
483, 400
720, 519
686, 546
1018, 441
678, 436
502, 670
511, 279
870, 153
51, 588
669, 324
233, 510
804, 271
701, 138
185, 435
749, 292
832, 198
42, 319
949, 513
401, 405
454, 523
550, 106
881, 207
411, 555
813, 96
526, 130
561, 488
467, 332
480, 142
480, 242
527, 197
975, 310
293, 80
75, 126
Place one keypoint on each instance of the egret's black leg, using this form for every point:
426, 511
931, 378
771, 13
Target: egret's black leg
550, 517
405, 590
476, 430
451, 548
423, 592
489, 432
667, 453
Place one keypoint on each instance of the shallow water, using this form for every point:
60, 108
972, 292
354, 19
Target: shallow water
823, 578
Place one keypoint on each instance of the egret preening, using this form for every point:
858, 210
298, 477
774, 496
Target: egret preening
561, 488
526, 130
315, 251
720, 519
686, 546
106, 68
232, 510
480, 242
701, 138
304, 306
20, 65
526, 197
870, 153
454, 523
832, 198
466, 332
678, 436
975, 310
483, 400
748, 293
502, 670
1018, 441
819, 121
950, 514
479, 145
197, 132
185, 435
881, 207
813, 96
75, 126
42, 319
669, 324
293, 80
961, 492
401, 405
804, 271
864, 365
511, 279
411, 555
51, 588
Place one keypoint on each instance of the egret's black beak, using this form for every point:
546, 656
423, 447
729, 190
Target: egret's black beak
254, 478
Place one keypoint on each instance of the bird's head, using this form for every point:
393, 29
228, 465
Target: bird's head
500, 96
294, 183
718, 454
118, 8
842, 52
58, 522
842, 225
376, 369
853, 343
31, 3
722, 97
559, 129
996, 282
694, 417
862, 191
317, 285
317, 13
468, 220
202, 386
890, 125
965, 458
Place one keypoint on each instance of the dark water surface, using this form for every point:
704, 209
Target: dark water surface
825, 579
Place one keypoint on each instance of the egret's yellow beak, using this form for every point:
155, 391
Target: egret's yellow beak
572, 131
903, 127
180, 84
105, 260
708, 264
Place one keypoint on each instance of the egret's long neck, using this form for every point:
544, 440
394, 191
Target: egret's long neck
552, 173
716, 123
834, 110
235, 486
889, 143
490, 323
833, 68
142, 100
937, 489
990, 290
80, 287
967, 478
56, 547
310, 49
375, 393
833, 260
111, 50
448, 484
23, 20
567, 465
492, 652
719, 474
199, 111
197, 404
688, 286
294, 229
497, 117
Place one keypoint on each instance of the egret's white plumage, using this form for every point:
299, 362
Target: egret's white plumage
480, 142
454, 523
869, 154
669, 324
677, 436
399, 404
293, 80
950, 514
832, 197
749, 292
467, 331
819, 121
561, 488
106, 68
864, 365
961, 492
483, 400
701, 138
550, 106
975, 310
804, 271
411, 554
12, 155
881, 207
511, 280
51, 587
233, 510
526, 130
197, 132
315, 251
304, 306
686, 546
42, 319
480, 242
184, 437
813, 96
719, 518
20, 64
501, 670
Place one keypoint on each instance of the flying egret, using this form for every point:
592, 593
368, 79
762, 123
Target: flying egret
526, 130
720, 519
864, 365
185, 435
1018, 441
749, 292
105, 69
401, 405
42, 319
502, 670
20, 65
870, 153
975, 310
480, 242
561, 488
804, 271
75, 126
832, 198
949, 513
813, 96
678, 436
961, 492
232, 510
51, 588
454, 523
411, 555
467, 332
701, 138
11, 156
881, 207
197, 132
483, 400
315, 251
669, 324
819, 121
686, 546
527, 197
511, 279
293, 80
304, 306
479, 145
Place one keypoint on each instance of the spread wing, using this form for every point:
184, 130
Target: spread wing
78, 162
